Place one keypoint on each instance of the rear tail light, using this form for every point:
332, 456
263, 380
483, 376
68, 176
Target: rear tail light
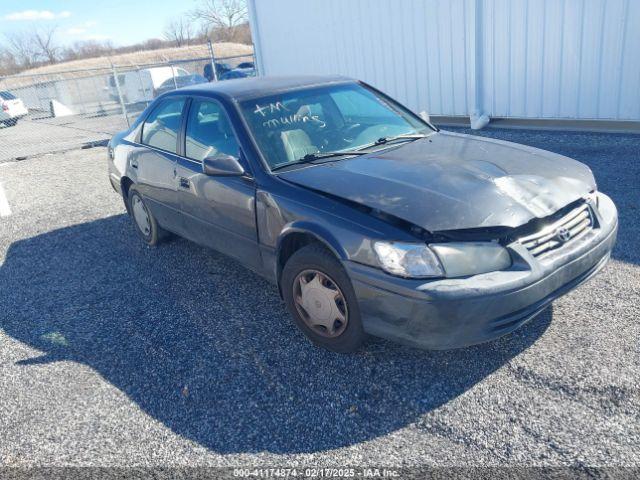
5, 107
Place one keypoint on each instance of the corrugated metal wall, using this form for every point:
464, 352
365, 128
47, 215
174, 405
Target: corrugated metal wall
510, 58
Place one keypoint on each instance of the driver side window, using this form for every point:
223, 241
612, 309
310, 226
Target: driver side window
161, 127
209, 131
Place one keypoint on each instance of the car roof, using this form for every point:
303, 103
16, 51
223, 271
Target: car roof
252, 87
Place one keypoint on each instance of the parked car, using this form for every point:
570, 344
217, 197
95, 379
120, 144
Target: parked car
368, 218
12, 109
221, 69
238, 73
179, 82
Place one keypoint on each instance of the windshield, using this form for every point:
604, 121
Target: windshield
340, 118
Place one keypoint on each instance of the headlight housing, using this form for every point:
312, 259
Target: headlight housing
413, 260
454, 259
461, 259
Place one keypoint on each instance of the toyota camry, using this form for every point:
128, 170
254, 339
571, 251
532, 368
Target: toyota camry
369, 219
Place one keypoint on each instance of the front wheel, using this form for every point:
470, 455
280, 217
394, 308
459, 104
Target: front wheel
321, 299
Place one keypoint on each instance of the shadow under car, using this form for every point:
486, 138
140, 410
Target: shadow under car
206, 347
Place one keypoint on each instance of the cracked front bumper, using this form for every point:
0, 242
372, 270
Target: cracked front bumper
453, 313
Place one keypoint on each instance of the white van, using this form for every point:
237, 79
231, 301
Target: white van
140, 85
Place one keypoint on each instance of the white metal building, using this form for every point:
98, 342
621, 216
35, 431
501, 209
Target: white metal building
556, 59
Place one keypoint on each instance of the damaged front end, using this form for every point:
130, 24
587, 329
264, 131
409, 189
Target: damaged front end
539, 238
464, 197
538, 234
548, 257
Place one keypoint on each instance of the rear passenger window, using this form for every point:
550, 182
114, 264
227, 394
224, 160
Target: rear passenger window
209, 131
161, 128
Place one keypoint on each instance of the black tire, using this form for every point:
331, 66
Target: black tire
11, 122
316, 257
155, 233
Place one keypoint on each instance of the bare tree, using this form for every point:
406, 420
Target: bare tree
221, 13
221, 17
8, 62
44, 42
242, 34
179, 31
87, 49
150, 44
22, 48
32, 48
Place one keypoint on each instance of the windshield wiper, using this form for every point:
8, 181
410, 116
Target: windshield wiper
312, 157
385, 140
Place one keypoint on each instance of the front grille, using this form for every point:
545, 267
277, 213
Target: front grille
573, 225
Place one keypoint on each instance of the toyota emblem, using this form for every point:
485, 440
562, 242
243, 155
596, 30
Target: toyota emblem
563, 234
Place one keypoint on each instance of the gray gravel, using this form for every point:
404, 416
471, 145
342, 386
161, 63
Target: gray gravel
112, 353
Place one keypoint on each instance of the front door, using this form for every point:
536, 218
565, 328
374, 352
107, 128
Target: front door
154, 162
218, 211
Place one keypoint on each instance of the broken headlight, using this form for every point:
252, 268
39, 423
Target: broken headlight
413, 260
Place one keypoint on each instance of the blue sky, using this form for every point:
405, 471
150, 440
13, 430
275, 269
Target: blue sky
122, 21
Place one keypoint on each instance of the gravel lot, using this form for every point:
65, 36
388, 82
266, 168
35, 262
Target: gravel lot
112, 353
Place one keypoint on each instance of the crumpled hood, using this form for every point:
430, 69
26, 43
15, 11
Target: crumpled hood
452, 181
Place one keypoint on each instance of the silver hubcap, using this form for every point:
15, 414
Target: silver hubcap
140, 215
320, 303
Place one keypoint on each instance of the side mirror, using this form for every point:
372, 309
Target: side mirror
222, 165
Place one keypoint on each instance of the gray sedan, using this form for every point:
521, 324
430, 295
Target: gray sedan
369, 219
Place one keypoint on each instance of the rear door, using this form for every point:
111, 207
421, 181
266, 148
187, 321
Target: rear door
219, 211
155, 161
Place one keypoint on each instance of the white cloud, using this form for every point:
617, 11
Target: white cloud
36, 15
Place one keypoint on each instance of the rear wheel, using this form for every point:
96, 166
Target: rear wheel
321, 299
144, 221
11, 122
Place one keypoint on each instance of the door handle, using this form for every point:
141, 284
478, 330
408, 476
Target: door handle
134, 164
184, 183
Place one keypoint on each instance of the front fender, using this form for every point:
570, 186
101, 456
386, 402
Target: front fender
322, 234
308, 228
342, 229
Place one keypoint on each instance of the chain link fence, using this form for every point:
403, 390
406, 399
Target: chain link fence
52, 112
